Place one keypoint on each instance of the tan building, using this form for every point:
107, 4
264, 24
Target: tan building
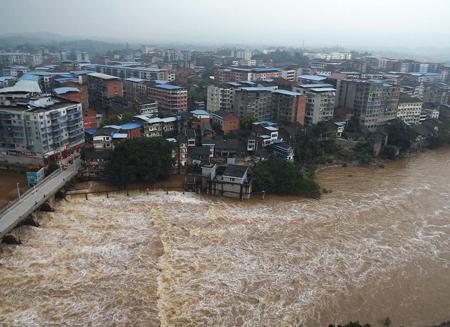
409, 109
169, 97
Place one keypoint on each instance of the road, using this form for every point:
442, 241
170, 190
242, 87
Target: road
30, 201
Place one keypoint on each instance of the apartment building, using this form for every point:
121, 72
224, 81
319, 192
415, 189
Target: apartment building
320, 102
169, 97
6, 81
14, 71
158, 127
20, 58
288, 107
289, 75
33, 131
125, 71
409, 109
222, 75
135, 89
220, 97
253, 101
102, 89
372, 102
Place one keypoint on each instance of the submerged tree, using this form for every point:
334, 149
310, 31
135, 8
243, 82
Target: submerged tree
145, 160
281, 177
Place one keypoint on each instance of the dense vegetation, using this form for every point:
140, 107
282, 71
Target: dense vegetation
123, 118
145, 160
314, 145
281, 177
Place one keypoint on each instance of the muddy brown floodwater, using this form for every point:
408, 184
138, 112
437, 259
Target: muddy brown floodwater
8, 186
376, 247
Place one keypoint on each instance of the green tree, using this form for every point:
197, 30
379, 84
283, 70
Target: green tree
247, 121
314, 144
400, 135
282, 177
146, 160
126, 117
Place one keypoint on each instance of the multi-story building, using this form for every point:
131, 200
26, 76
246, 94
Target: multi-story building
290, 75
320, 101
6, 81
158, 127
253, 101
34, 131
288, 106
20, 58
102, 89
245, 54
226, 121
220, 97
409, 109
229, 74
14, 71
135, 89
372, 102
124, 71
169, 97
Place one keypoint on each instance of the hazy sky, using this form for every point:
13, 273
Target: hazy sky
390, 23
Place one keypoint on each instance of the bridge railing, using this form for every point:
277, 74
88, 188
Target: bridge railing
31, 190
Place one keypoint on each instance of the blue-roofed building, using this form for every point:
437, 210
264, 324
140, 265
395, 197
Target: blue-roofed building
320, 101
64, 90
200, 114
228, 74
309, 79
125, 71
170, 97
6, 81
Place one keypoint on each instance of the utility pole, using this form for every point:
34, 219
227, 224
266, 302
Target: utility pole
18, 189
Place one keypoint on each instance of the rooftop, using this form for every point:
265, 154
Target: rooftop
312, 77
135, 80
168, 87
64, 90
323, 89
285, 92
103, 76
23, 86
130, 125
235, 171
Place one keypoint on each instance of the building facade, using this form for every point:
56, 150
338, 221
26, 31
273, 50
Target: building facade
372, 102
409, 109
41, 128
320, 102
169, 97
102, 89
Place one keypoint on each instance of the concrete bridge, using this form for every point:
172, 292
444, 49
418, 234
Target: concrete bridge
19, 210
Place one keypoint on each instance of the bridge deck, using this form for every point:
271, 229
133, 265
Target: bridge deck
31, 200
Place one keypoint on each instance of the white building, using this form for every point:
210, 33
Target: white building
409, 109
320, 102
40, 128
290, 75
221, 97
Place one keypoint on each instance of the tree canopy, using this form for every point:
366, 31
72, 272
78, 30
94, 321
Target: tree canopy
282, 177
146, 160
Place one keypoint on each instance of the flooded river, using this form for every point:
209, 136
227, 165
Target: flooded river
376, 247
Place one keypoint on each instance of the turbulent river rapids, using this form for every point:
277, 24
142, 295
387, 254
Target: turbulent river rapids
378, 246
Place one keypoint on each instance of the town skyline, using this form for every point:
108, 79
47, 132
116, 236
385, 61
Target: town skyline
403, 24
